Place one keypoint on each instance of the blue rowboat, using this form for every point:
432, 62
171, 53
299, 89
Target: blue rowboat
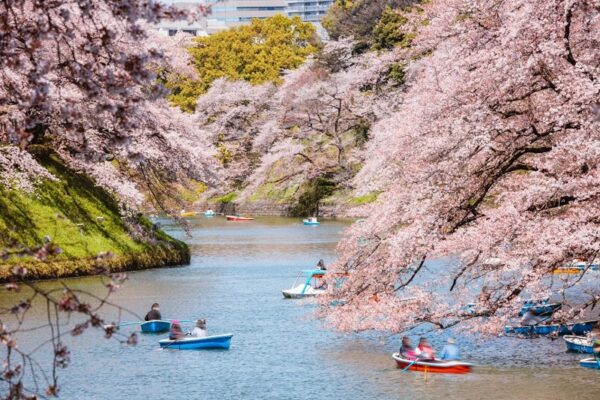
540, 309
194, 343
156, 326
577, 328
590, 363
579, 344
311, 222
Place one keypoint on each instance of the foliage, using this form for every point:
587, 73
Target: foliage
512, 87
84, 83
312, 193
397, 74
387, 32
365, 199
366, 20
256, 53
225, 199
78, 216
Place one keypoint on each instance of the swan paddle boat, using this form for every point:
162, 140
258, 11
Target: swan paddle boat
196, 343
436, 366
590, 363
579, 344
186, 214
155, 326
238, 218
312, 285
312, 221
576, 328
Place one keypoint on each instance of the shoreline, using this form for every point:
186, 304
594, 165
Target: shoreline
169, 255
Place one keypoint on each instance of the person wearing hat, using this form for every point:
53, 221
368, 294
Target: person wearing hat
176, 333
154, 313
450, 351
199, 330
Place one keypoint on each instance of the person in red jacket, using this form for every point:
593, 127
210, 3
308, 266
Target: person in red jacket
424, 350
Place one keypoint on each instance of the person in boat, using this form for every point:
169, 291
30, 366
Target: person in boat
450, 351
176, 333
321, 265
154, 313
406, 350
199, 330
424, 350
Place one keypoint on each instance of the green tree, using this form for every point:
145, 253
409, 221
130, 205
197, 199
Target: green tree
387, 32
257, 53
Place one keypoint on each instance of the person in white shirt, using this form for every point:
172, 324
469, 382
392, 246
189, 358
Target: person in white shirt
200, 329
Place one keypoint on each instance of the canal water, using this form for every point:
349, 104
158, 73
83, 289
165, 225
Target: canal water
279, 351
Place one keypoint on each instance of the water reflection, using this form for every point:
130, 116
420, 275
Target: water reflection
278, 351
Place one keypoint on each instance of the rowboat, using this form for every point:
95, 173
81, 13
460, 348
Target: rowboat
312, 285
312, 221
238, 218
209, 213
540, 309
590, 363
436, 366
579, 344
577, 328
194, 343
156, 326
184, 213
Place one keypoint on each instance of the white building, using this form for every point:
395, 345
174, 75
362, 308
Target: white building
308, 10
229, 13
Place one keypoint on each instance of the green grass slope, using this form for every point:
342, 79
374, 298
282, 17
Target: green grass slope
84, 221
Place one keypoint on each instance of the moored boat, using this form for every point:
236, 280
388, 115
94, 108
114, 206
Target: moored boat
579, 344
590, 363
312, 286
540, 308
155, 326
435, 366
238, 218
195, 343
312, 221
576, 328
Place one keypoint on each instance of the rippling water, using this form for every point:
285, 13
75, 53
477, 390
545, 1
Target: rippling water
278, 351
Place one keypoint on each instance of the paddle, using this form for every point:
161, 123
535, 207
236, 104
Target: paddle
410, 365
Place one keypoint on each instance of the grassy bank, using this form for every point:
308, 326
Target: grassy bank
84, 221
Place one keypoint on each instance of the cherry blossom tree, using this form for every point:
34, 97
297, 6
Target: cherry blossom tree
492, 155
79, 77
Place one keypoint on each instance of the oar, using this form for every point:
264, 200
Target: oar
180, 320
410, 365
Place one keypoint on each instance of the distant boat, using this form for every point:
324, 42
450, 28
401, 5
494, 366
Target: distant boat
194, 343
590, 363
435, 366
238, 218
155, 326
577, 266
576, 328
184, 213
579, 344
309, 288
312, 221
209, 213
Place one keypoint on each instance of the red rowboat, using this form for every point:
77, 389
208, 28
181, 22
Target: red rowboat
237, 218
435, 366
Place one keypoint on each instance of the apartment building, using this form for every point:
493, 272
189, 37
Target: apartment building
308, 10
238, 12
